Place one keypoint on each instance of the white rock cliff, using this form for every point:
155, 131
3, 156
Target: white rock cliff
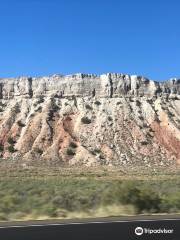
111, 119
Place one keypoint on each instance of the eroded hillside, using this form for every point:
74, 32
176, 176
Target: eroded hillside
112, 119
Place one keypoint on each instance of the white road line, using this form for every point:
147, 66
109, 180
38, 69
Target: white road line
86, 223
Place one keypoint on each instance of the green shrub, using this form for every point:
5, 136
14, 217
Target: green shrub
144, 198
48, 196
170, 114
97, 103
73, 145
11, 140
88, 107
141, 118
110, 118
55, 108
39, 151
11, 149
70, 152
17, 109
144, 143
85, 120
171, 203
138, 103
1, 148
118, 103
20, 124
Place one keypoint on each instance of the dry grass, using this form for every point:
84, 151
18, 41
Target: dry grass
34, 192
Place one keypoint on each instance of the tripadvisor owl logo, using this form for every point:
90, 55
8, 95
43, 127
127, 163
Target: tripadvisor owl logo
139, 231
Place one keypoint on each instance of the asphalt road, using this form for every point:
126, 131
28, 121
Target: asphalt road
97, 229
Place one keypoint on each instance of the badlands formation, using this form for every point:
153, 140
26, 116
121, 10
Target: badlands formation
85, 119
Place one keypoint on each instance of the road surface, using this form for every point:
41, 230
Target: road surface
94, 229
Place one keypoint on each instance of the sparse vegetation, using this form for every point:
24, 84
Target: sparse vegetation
170, 114
97, 103
70, 151
73, 145
20, 124
141, 118
110, 118
11, 149
138, 103
11, 141
62, 197
144, 143
145, 125
85, 120
17, 109
87, 106
50, 115
55, 107
118, 103
150, 101
39, 151
1, 148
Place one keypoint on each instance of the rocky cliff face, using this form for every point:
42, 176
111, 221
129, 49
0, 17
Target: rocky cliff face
112, 119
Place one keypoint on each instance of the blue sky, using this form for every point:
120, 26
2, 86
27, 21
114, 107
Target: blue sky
43, 37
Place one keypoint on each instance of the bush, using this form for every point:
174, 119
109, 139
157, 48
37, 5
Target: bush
17, 109
118, 103
148, 201
48, 196
70, 152
97, 103
170, 114
20, 124
171, 203
88, 107
10, 140
138, 103
11, 149
1, 148
110, 118
55, 108
141, 118
143, 198
39, 151
85, 120
73, 145
144, 143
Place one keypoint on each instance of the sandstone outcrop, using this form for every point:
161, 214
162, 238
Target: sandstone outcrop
111, 119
